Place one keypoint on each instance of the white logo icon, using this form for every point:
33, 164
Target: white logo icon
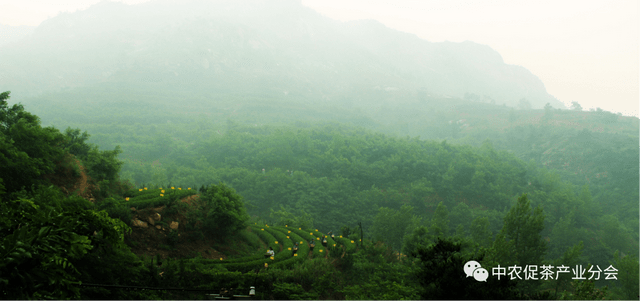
470, 266
473, 269
481, 274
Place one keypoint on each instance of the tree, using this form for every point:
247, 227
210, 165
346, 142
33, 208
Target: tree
419, 237
522, 226
576, 106
10, 115
225, 211
440, 221
613, 235
28, 152
393, 225
571, 257
286, 216
480, 232
519, 242
565, 234
461, 215
585, 290
76, 143
43, 239
627, 284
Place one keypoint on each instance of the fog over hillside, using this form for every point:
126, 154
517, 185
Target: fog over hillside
179, 150
274, 48
11, 34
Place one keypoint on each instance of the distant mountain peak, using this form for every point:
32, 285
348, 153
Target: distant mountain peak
258, 45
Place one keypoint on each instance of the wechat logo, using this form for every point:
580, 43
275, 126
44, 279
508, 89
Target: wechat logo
473, 269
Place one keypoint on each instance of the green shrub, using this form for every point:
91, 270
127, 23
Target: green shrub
152, 198
303, 250
280, 235
251, 238
350, 247
171, 209
305, 234
121, 212
76, 202
265, 236
223, 211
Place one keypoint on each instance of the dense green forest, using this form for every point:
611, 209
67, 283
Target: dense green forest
407, 212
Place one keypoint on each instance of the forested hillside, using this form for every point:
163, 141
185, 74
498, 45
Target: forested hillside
167, 142
401, 209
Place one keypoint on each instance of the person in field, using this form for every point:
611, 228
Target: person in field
270, 253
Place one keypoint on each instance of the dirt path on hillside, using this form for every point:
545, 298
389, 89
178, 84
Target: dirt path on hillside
82, 185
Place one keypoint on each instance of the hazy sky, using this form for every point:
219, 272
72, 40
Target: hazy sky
584, 51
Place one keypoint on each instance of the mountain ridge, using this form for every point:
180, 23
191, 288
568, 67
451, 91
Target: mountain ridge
283, 47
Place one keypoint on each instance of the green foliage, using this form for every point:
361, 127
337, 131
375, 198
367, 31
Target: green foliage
102, 166
303, 250
585, 290
379, 287
155, 198
283, 242
480, 232
350, 247
392, 225
613, 235
76, 143
342, 175
419, 237
28, 152
440, 221
290, 291
251, 238
522, 227
461, 214
116, 209
627, 284
570, 257
223, 209
44, 242
286, 216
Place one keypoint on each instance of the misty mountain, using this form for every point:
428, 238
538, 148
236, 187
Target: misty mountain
278, 49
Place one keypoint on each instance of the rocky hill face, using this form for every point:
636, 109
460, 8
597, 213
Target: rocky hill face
271, 48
